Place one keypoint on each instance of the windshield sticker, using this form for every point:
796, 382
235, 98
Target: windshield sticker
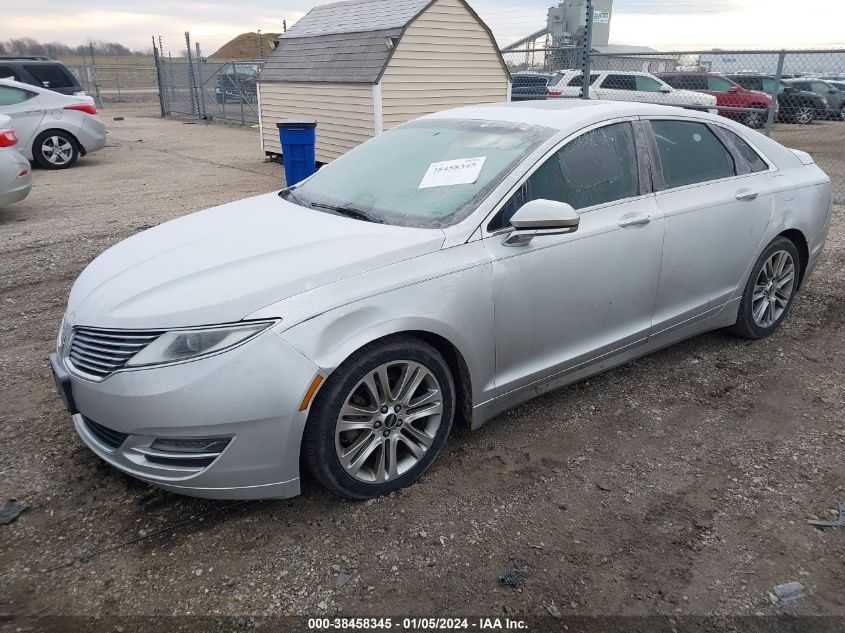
463, 171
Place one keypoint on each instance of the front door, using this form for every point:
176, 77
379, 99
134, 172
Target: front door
562, 300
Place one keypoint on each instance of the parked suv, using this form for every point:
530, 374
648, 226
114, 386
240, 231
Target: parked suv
834, 100
729, 94
620, 85
794, 106
41, 72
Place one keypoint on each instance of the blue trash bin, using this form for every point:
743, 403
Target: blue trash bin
298, 137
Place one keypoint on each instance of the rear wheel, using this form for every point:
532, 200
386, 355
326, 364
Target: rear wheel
770, 290
380, 419
805, 115
55, 149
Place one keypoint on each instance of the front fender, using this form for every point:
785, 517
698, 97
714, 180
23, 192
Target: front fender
456, 305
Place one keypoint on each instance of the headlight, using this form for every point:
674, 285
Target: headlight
179, 345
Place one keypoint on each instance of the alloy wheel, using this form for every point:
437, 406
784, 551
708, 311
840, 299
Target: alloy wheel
388, 421
57, 150
804, 116
772, 289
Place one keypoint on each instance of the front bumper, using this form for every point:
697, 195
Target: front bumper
250, 395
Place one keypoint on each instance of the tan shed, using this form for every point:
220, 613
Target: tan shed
362, 66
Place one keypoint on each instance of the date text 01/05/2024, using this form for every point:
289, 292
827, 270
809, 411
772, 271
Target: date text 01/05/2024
417, 624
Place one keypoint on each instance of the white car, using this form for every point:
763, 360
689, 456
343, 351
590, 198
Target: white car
622, 85
53, 129
15, 175
438, 274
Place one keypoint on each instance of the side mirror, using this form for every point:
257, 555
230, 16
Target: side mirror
541, 217
665, 89
833, 91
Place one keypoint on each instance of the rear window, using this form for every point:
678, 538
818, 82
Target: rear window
11, 96
521, 81
750, 155
686, 82
50, 75
7, 71
577, 80
619, 82
718, 84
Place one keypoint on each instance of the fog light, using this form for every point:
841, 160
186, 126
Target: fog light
201, 445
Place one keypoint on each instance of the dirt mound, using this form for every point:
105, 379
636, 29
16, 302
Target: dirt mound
245, 46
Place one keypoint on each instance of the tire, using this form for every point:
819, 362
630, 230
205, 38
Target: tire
842, 113
766, 300
373, 451
754, 120
55, 149
804, 115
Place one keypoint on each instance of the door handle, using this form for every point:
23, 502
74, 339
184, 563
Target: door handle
746, 194
635, 220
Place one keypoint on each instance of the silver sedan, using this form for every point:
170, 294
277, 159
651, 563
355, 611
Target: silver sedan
434, 276
15, 173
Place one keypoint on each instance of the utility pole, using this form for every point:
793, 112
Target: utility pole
260, 46
586, 53
284, 26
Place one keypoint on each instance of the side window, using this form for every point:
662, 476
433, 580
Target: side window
717, 84
690, 152
647, 84
7, 71
12, 96
619, 82
821, 87
753, 159
50, 75
577, 80
597, 167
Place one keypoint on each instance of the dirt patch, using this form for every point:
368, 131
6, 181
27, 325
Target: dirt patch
675, 484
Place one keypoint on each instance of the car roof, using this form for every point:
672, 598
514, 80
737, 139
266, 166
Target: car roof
564, 114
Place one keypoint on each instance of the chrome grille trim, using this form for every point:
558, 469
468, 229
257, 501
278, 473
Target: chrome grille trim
99, 353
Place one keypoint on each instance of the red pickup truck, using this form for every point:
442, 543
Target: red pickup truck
729, 94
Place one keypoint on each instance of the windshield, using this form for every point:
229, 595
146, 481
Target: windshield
428, 173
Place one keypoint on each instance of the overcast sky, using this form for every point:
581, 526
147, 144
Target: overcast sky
662, 24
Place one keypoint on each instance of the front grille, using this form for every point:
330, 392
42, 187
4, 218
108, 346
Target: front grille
108, 437
102, 352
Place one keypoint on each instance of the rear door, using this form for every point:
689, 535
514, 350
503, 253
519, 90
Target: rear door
25, 110
716, 199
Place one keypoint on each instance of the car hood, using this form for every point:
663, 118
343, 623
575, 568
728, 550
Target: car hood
221, 264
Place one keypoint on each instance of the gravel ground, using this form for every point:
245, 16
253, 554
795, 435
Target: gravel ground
678, 483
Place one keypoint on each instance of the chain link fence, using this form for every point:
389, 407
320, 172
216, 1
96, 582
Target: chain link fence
797, 97
208, 90
117, 83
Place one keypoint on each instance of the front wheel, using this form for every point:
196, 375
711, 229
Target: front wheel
380, 419
770, 290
